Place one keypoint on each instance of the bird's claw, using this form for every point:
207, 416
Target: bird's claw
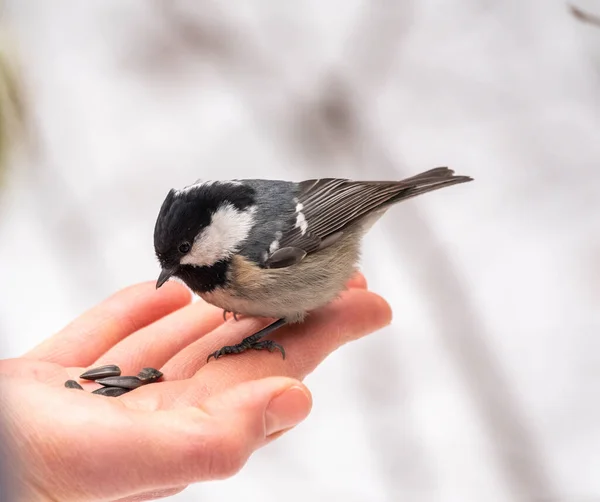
225, 312
252, 342
269, 345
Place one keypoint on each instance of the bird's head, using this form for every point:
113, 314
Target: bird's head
202, 225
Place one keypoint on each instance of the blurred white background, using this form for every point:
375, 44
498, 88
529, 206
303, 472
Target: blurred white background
487, 385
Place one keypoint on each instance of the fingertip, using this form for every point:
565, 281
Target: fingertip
174, 290
287, 409
368, 306
260, 392
358, 281
269, 387
171, 289
384, 308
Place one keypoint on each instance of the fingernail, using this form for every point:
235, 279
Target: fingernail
287, 410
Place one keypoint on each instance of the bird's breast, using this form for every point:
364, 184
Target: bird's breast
288, 292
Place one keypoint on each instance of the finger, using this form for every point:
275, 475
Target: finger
190, 359
155, 344
356, 314
214, 440
92, 334
358, 281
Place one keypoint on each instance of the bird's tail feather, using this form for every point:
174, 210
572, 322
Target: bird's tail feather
428, 181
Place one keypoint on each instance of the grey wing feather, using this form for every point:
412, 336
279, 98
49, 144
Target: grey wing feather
284, 257
329, 205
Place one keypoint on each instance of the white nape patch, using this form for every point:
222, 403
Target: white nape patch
207, 183
301, 220
228, 228
299, 207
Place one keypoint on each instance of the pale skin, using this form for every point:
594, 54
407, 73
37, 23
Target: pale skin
201, 423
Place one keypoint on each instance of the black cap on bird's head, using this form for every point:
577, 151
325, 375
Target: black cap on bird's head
180, 219
201, 225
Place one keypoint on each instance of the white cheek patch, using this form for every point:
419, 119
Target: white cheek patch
228, 228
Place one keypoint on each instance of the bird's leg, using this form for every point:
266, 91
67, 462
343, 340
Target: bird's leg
252, 342
225, 312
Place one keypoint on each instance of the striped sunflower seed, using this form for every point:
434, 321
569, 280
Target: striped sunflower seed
124, 382
72, 384
149, 375
110, 391
110, 370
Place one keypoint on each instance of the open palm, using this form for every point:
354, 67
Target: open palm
201, 422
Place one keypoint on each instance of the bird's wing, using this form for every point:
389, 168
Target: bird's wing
325, 207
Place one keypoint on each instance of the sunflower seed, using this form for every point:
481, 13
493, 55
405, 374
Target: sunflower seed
72, 384
110, 370
149, 375
124, 382
110, 391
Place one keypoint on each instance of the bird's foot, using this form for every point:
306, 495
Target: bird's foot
252, 342
225, 312
243, 346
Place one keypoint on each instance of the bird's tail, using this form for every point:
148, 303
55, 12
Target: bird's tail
428, 181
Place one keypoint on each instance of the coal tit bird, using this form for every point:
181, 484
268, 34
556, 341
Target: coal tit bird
276, 249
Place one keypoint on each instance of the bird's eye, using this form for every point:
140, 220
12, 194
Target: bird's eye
184, 247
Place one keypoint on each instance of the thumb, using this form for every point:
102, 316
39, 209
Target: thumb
215, 439
263, 407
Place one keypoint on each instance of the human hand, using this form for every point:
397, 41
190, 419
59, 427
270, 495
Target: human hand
202, 422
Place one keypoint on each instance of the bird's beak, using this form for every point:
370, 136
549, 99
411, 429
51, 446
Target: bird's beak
164, 276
